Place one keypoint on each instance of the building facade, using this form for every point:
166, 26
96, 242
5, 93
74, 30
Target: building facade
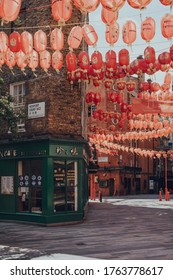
44, 168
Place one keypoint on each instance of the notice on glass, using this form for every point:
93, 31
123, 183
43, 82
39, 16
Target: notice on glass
7, 185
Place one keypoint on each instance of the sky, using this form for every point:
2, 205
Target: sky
155, 10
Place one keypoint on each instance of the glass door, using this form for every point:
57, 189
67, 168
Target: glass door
65, 186
30, 186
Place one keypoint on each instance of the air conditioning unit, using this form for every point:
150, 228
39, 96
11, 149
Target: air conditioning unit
21, 127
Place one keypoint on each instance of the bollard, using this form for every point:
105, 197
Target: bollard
100, 196
160, 195
168, 196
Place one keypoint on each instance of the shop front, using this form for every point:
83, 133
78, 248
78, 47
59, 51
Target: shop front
44, 181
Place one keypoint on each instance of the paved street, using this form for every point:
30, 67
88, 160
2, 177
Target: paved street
118, 228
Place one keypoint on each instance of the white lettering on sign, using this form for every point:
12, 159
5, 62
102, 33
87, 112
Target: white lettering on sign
36, 110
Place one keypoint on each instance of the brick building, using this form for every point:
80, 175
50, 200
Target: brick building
43, 170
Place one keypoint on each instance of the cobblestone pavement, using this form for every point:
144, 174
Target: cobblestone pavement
111, 230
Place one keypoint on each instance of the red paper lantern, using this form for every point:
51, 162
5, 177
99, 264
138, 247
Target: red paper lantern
138, 4
112, 33
33, 60
154, 87
123, 57
130, 85
129, 32
113, 5
113, 97
90, 97
149, 55
108, 83
167, 26
171, 52
61, 10
57, 60
144, 86
108, 17
164, 58
86, 6
71, 61
78, 75
168, 79
90, 35
75, 37
10, 59
148, 29
2, 59
21, 60
97, 98
15, 42
45, 60
40, 41
121, 84
4, 42
96, 60
26, 42
57, 39
167, 2
9, 9
110, 58
84, 60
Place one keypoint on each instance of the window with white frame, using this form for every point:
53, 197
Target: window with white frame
18, 92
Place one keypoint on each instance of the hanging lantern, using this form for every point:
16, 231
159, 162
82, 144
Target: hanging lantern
138, 4
86, 6
148, 29
110, 59
108, 17
40, 41
15, 42
96, 60
9, 9
113, 5
75, 37
112, 33
57, 60
10, 59
123, 57
89, 34
108, 83
2, 59
168, 79
164, 58
45, 60
21, 60
90, 97
144, 86
71, 61
171, 52
97, 98
124, 107
61, 10
78, 75
113, 97
167, 2
84, 60
57, 39
121, 84
4, 42
167, 26
130, 85
154, 87
26, 42
33, 60
129, 32
149, 55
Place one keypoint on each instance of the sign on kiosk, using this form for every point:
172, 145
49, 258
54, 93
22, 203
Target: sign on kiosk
36, 110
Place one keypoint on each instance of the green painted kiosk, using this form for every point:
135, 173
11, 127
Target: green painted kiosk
44, 181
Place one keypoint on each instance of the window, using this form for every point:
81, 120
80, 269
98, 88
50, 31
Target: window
91, 110
103, 183
18, 91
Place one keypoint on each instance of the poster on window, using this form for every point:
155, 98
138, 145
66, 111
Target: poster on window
7, 185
